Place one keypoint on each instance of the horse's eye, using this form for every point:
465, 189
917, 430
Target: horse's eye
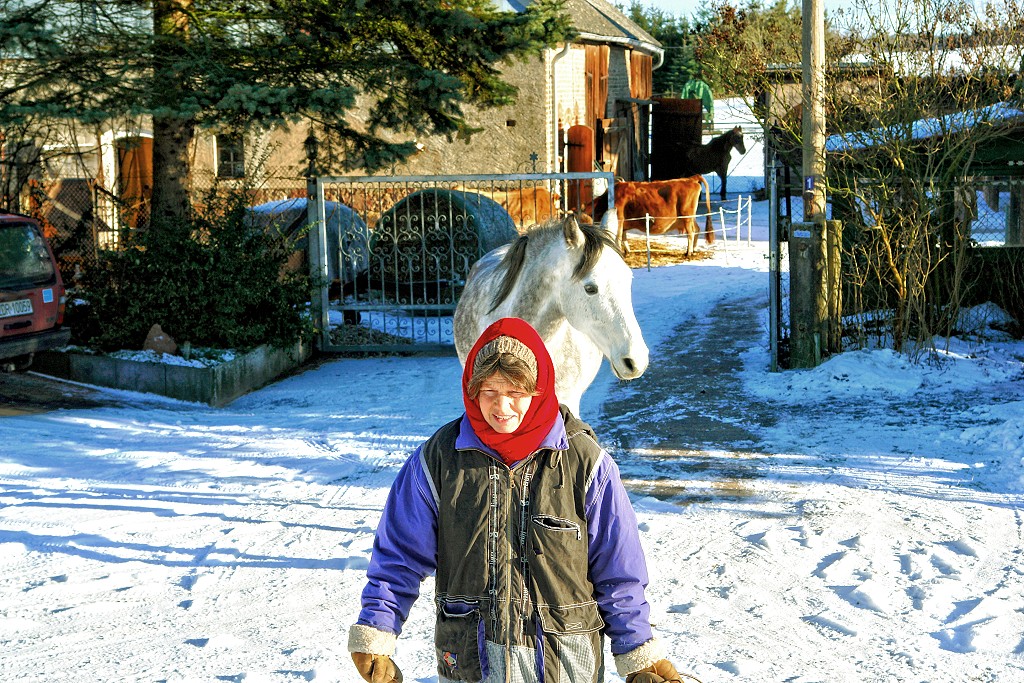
590, 289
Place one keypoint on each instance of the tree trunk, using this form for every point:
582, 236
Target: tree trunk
172, 136
172, 143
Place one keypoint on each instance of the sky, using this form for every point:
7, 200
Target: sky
684, 8
859, 521
689, 8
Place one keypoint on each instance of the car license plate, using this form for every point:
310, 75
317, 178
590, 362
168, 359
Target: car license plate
9, 309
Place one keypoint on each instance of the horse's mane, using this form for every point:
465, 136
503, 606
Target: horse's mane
595, 240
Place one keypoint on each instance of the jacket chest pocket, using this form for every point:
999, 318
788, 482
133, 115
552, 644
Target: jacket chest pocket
553, 526
459, 642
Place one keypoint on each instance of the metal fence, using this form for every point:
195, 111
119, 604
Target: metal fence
992, 206
731, 224
392, 254
71, 211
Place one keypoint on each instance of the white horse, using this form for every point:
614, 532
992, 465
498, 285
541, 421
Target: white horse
569, 281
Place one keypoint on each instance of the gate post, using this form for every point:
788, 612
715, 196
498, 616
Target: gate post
774, 273
834, 286
806, 309
316, 239
815, 254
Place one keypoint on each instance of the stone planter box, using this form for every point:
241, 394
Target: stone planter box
216, 385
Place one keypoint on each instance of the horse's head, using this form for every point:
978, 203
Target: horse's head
596, 298
737, 139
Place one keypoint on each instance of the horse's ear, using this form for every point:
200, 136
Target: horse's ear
571, 230
610, 223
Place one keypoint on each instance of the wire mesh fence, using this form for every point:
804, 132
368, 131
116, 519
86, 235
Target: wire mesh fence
994, 208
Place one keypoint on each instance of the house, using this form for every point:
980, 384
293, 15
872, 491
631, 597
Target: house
582, 106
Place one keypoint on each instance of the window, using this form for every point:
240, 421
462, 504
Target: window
230, 156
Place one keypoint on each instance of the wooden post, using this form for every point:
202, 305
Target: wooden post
807, 306
813, 121
833, 322
1015, 217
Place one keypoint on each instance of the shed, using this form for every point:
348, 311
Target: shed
594, 92
995, 167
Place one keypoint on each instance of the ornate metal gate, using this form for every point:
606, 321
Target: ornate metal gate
390, 255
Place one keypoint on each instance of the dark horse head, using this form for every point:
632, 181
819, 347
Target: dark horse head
734, 138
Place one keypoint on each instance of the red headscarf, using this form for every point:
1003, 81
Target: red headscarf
543, 409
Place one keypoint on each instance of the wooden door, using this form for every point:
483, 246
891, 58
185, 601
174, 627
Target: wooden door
580, 158
614, 144
675, 129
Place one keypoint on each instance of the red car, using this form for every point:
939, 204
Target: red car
32, 295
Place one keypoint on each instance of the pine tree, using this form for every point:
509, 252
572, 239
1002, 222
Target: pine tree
674, 35
198, 63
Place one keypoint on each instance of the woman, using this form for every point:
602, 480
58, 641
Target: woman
532, 537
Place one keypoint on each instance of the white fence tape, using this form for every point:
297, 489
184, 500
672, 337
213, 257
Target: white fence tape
729, 220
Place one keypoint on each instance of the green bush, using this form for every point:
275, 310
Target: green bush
212, 281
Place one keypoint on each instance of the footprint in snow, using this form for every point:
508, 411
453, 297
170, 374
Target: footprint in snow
680, 609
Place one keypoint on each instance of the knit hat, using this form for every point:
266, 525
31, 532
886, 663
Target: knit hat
517, 337
509, 345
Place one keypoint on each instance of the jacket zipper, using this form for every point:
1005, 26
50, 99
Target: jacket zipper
524, 568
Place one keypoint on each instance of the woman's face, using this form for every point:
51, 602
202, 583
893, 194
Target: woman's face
503, 404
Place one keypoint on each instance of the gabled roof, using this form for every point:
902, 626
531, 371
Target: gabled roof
599, 21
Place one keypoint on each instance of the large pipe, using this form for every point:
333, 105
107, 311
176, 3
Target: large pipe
554, 166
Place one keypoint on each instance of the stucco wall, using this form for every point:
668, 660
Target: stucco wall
508, 137
618, 80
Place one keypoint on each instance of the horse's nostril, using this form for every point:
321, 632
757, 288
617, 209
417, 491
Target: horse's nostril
630, 365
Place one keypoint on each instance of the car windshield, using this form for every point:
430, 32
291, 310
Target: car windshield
24, 260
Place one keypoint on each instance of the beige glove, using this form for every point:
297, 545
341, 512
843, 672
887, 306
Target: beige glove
661, 671
377, 668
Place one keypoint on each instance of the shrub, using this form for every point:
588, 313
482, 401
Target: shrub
212, 281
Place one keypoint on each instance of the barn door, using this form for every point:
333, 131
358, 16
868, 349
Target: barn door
596, 68
580, 158
676, 128
135, 179
614, 146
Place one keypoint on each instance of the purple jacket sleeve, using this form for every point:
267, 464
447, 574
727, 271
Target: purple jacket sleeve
618, 569
404, 550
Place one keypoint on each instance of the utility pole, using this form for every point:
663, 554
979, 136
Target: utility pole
814, 243
814, 110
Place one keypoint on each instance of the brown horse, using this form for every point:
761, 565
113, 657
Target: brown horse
714, 156
671, 204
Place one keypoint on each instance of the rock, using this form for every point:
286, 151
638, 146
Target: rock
159, 341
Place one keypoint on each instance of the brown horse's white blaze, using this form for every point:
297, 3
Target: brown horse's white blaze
571, 284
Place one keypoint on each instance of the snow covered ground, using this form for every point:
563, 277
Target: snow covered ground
878, 535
